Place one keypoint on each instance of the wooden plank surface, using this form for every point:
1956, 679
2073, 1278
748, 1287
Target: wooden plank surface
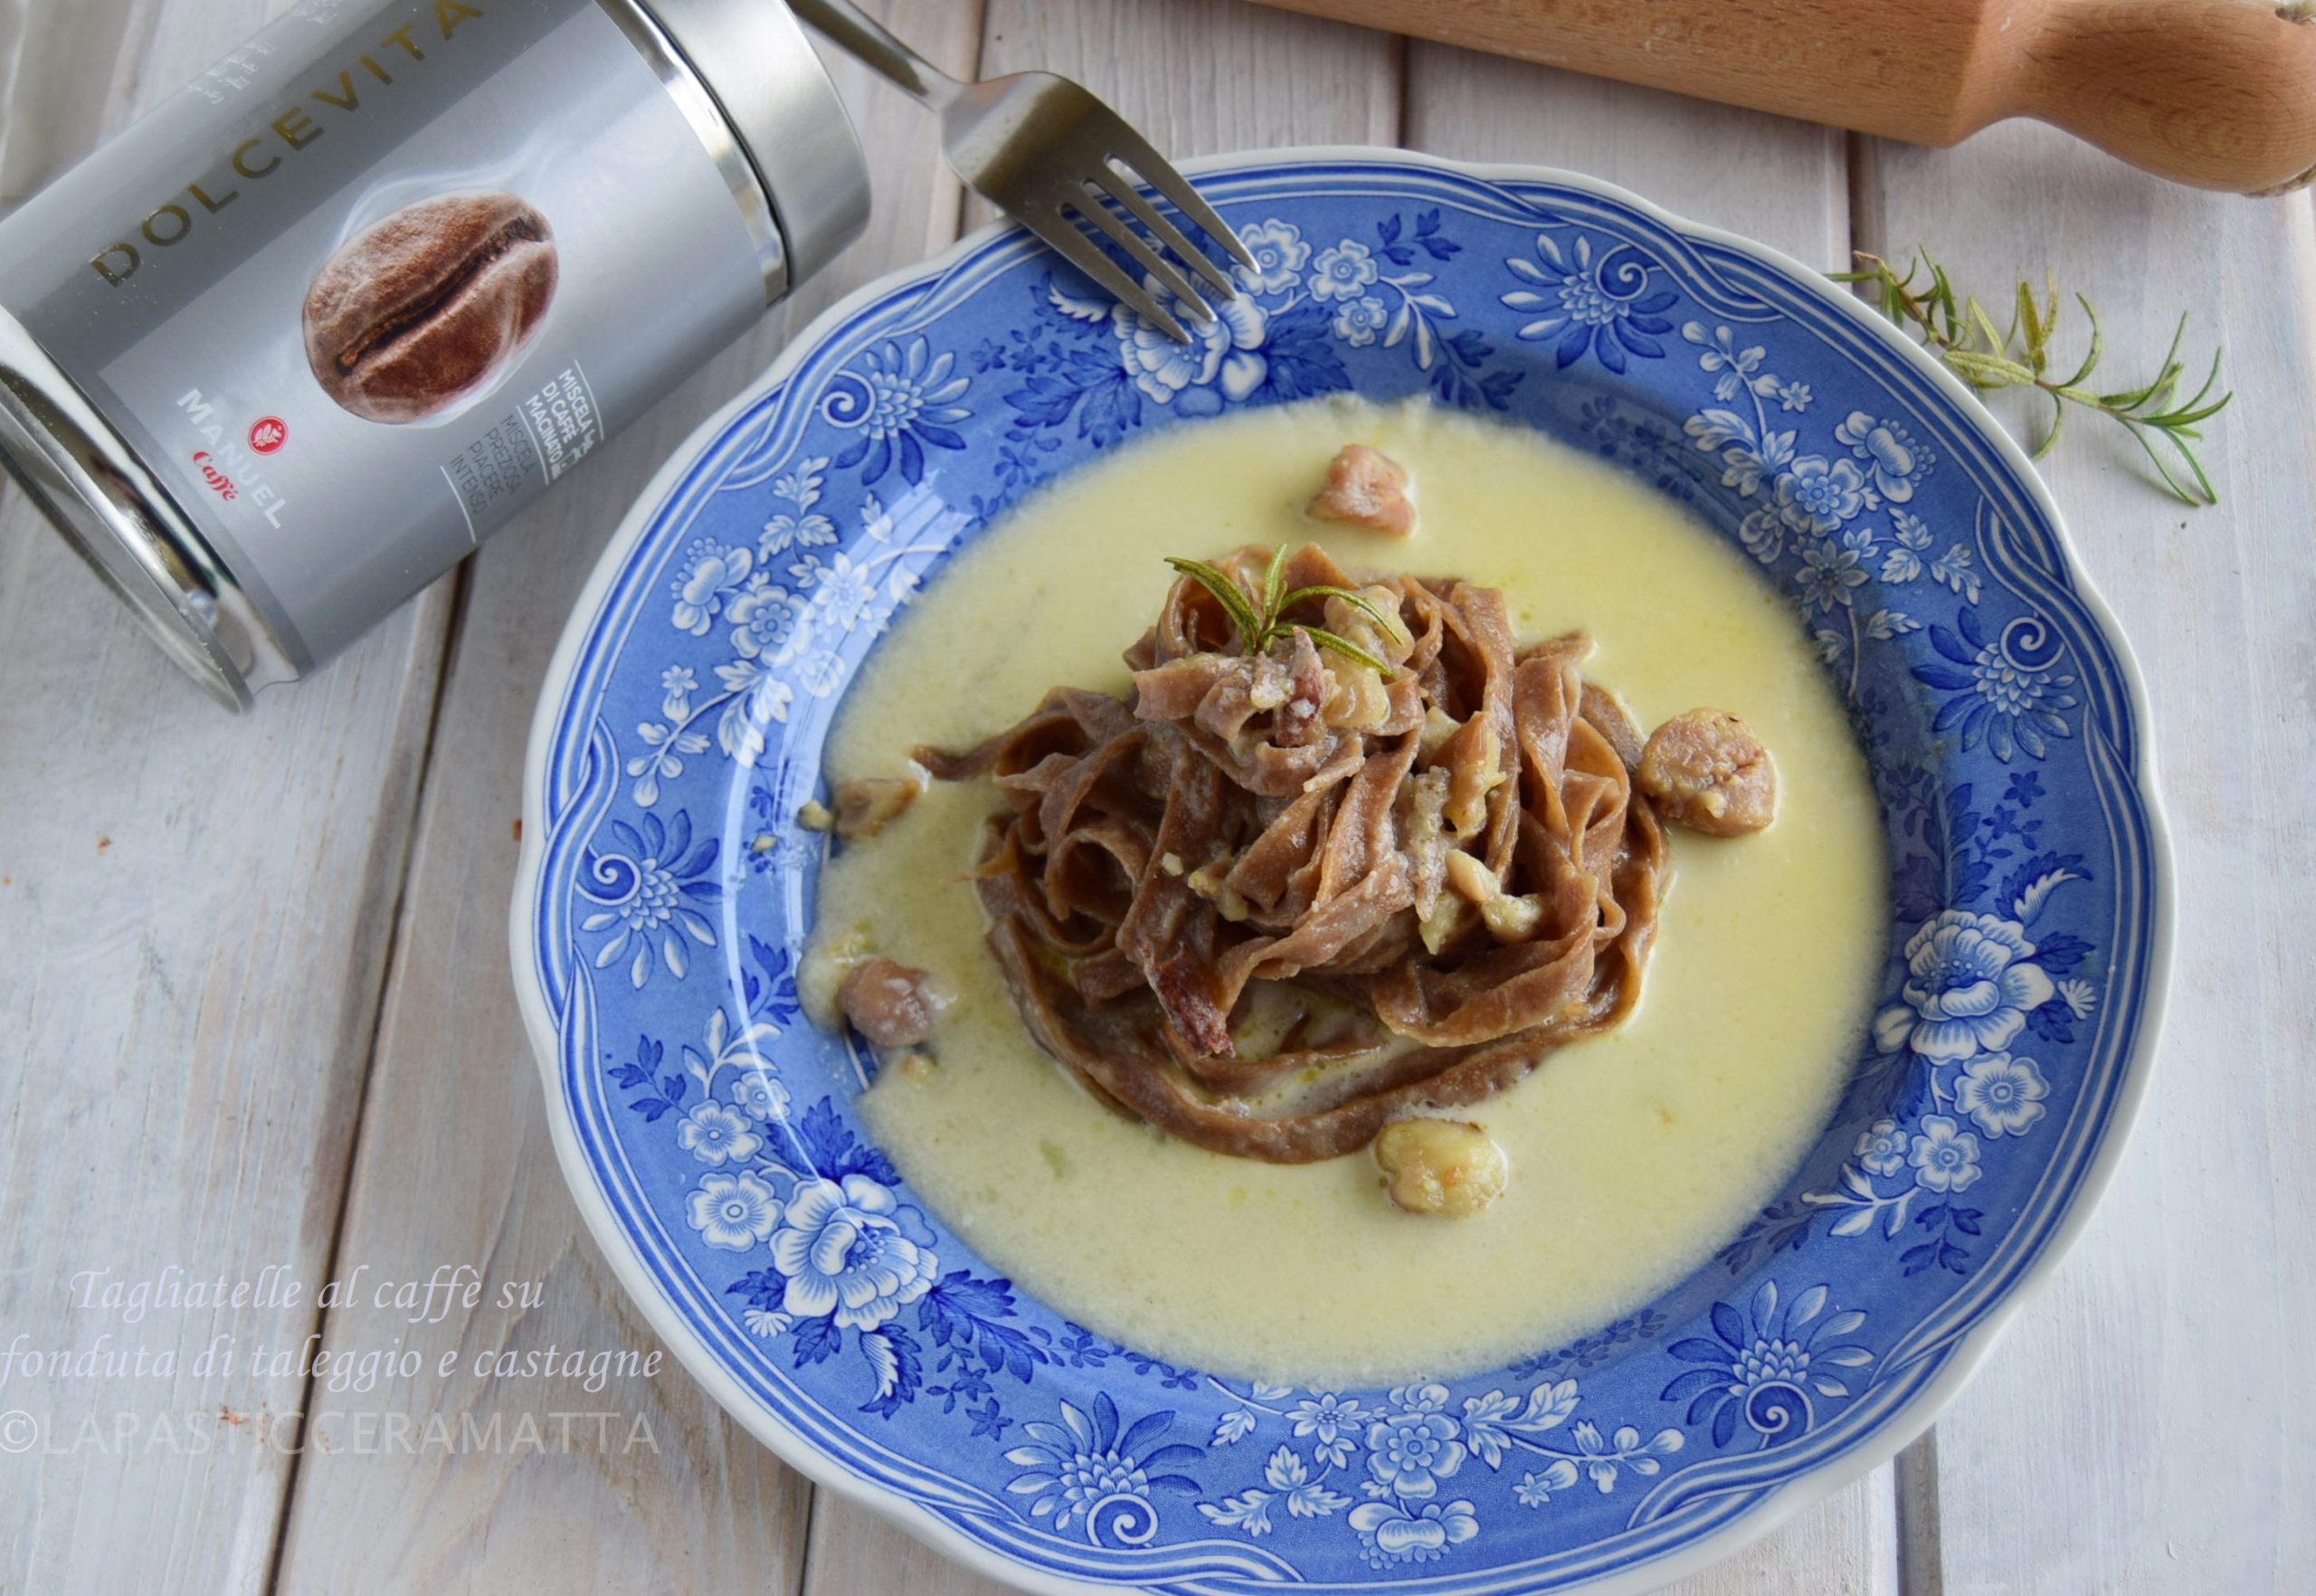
456, 1166
228, 947
1794, 194
2149, 1424
59, 77
193, 917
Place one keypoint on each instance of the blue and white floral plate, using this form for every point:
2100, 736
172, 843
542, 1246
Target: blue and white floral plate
709, 1134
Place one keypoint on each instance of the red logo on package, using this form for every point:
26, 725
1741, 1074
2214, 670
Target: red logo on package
268, 434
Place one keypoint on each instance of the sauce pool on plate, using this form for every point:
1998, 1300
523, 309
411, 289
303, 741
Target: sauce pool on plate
1633, 1154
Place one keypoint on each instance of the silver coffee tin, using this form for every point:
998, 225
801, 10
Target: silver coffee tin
239, 613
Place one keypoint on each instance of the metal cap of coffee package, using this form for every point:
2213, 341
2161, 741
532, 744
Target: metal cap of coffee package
773, 91
91, 486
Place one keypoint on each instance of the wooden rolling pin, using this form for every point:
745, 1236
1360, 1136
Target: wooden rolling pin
2217, 93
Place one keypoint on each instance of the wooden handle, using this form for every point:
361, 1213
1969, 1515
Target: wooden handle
2217, 93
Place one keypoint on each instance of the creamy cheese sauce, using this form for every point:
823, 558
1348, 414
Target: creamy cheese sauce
1633, 1154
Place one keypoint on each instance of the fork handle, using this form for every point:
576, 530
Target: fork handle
865, 39
2213, 92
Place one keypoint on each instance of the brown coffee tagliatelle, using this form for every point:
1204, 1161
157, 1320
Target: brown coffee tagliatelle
1433, 874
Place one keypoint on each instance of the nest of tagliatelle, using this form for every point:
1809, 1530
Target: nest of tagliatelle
1345, 850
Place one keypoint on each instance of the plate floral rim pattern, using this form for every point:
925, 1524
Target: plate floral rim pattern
707, 1135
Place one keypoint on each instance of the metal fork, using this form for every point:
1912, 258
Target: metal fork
1047, 153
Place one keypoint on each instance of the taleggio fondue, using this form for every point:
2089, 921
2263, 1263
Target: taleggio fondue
1633, 1154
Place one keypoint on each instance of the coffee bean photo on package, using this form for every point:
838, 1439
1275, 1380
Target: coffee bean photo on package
425, 306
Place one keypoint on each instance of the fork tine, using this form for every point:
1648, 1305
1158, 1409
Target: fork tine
1138, 249
1063, 237
1135, 150
1169, 235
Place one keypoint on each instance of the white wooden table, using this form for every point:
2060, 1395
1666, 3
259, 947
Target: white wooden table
255, 1004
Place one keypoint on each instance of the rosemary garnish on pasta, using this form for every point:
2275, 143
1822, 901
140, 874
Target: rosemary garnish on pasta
1961, 332
1258, 627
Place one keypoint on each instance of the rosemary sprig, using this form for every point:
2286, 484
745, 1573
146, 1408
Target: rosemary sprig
1259, 626
2018, 355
